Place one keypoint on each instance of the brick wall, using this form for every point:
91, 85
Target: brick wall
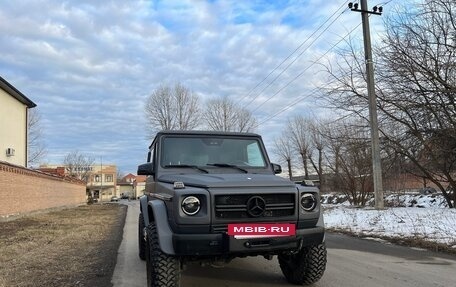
407, 181
23, 190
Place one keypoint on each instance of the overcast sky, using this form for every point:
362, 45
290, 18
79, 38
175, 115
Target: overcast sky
90, 65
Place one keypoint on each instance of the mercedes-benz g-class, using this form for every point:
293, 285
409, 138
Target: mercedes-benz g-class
214, 196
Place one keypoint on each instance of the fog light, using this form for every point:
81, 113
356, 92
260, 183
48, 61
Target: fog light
308, 201
191, 205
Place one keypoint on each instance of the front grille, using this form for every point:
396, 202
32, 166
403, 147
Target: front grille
235, 206
221, 228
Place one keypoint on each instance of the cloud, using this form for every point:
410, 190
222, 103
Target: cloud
89, 65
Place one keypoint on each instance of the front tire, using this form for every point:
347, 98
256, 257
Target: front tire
162, 269
305, 267
141, 241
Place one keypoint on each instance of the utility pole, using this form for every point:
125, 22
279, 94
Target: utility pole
376, 160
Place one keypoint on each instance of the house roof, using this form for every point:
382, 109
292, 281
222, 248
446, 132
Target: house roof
141, 178
15, 93
130, 175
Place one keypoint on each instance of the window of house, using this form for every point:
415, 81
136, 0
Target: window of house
97, 178
108, 177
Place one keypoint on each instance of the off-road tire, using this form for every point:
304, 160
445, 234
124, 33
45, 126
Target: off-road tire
162, 269
141, 242
305, 267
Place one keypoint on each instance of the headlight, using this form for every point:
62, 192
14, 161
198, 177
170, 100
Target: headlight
308, 201
191, 205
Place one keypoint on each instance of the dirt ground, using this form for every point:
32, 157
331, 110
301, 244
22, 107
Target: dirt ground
71, 247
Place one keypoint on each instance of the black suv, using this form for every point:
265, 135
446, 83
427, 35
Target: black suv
209, 195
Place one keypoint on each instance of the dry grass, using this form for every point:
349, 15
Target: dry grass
72, 247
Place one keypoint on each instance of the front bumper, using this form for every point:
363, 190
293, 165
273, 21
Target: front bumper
223, 244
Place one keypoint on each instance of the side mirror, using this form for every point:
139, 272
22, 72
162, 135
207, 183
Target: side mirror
276, 168
146, 169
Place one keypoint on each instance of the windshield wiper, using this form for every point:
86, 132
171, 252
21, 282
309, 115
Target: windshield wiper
228, 165
187, 166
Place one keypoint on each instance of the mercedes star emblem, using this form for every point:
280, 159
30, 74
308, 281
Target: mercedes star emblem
256, 206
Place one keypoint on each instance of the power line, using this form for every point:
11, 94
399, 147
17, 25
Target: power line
300, 74
383, 3
302, 44
300, 98
297, 57
314, 91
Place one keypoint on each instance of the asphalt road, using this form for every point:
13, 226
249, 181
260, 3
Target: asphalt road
351, 262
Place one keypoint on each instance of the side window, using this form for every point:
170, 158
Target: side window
254, 155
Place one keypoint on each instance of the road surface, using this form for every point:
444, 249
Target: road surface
351, 262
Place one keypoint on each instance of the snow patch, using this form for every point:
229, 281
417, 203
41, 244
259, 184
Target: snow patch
432, 224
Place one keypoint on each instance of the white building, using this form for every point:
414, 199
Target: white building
13, 124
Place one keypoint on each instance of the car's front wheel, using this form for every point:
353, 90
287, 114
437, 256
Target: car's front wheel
162, 269
304, 267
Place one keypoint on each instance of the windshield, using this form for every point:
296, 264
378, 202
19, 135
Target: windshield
207, 151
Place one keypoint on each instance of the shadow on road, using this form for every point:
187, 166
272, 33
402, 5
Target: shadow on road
340, 241
239, 270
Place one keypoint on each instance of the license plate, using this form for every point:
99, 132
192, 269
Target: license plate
261, 230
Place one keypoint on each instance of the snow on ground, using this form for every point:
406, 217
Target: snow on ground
430, 221
397, 200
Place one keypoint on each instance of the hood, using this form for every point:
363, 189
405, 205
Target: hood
228, 180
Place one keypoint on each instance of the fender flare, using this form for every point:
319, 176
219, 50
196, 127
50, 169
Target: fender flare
321, 223
143, 208
160, 218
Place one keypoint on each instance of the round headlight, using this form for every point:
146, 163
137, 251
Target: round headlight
308, 201
191, 205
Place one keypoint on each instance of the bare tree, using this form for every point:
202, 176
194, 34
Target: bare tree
418, 72
36, 150
187, 108
119, 175
246, 122
283, 148
172, 108
223, 114
416, 88
349, 158
317, 144
78, 165
299, 130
